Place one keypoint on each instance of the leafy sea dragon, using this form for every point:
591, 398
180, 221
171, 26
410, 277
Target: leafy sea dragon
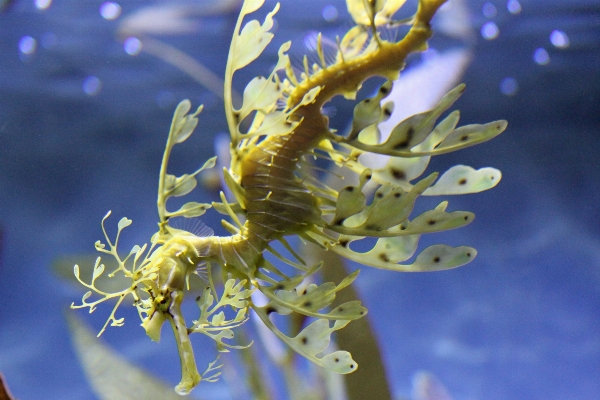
275, 197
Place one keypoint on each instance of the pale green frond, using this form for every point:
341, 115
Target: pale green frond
312, 341
462, 179
434, 258
314, 298
190, 210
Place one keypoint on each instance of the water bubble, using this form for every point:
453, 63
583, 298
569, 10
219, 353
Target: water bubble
27, 45
489, 10
559, 39
132, 46
513, 6
509, 86
330, 13
541, 56
42, 4
92, 85
490, 31
110, 10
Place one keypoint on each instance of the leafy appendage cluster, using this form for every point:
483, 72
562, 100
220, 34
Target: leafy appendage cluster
156, 304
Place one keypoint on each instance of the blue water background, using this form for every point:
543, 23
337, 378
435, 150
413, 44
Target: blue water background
520, 322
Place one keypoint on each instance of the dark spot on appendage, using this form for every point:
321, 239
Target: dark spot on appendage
307, 304
341, 309
379, 195
279, 286
362, 313
463, 181
398, 174
468, 254
343, 243
466, 218
369, 176
351, 366
384, 90
349, 189
387, 112
337, 359
270, 310
198, 298
383, 257
401, 145
366, 101
304, 340
436, 259
397, 195
464, 138
431, 222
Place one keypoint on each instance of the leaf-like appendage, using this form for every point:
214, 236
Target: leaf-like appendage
313, 340
380, 12
462, 179
190, 210
251, 41
314, 298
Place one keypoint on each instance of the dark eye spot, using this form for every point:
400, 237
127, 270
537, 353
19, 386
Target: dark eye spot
398, 174
383, 257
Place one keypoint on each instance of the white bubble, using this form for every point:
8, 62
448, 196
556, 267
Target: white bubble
42, 4
559, 39
92, 85
509, 86
513, 6
490, 31
489, 10
27, 45
132, 46
330, 13
541, 56
110, 10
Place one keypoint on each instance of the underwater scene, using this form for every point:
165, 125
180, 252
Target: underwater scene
306, 200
